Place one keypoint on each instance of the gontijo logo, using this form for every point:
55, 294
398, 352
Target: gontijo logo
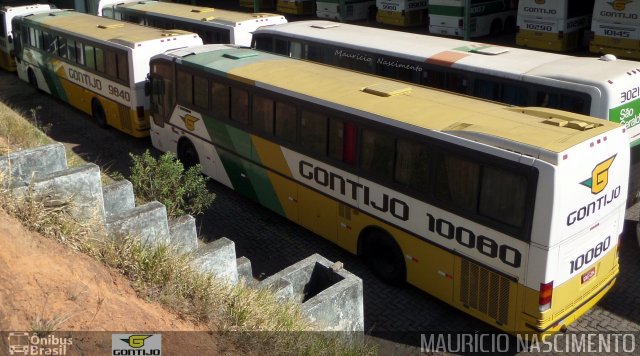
619, 5
599, 176
138, 345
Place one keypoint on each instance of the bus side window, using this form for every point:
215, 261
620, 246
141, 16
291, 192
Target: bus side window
315, 52
286, 122
239, 105
201, 92
456, 83
264, 43
503, 196
342, 141
110, 64
100, 60
282, 47
262, 114
90, 57
123, 67
412, 165
566, 102
377, 150
185, 88
433, 78
457, 181
313, 132
486, 89
71, 50
62, 47
515, 95
220, 100
295, 50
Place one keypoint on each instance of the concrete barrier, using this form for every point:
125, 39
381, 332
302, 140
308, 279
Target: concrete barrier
218, 258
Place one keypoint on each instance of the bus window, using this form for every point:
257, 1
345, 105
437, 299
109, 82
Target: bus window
264, 44
110, 64
486, 89
262, 114
412, 165
457, 182
62, 47
515, 95
377, 150
220, 94
317, 53
282, 47
456, 83
71, 50
313, 132
502, 196
123, 67
185, 88
342, 141
567, 102
201, 92
240, 105
286, 121
100, 60
433, 78
296, 49
89, 57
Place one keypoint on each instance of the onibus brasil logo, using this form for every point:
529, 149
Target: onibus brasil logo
599, 176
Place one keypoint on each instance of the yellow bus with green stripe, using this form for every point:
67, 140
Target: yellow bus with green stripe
95, 64
510, 214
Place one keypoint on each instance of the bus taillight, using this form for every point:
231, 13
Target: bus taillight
546, 292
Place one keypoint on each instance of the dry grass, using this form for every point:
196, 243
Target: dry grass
257, 320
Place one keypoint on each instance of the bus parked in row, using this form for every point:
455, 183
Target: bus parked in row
213, 25
354, 10
555, 25
296, 7
615, 28
95, 64
403, 12
446, 17
510, 214
7, 13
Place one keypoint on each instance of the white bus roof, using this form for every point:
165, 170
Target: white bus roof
502, 61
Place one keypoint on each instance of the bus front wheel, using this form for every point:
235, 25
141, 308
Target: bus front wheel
98, 114
187, 153
384, 257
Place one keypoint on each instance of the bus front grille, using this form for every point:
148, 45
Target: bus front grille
484, 291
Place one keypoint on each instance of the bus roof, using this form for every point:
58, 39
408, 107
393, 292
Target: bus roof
101, 28
199, 13
504, 61
536, 132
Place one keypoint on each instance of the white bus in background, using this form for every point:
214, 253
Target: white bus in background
555, 25
615, 28
213, 25
7, 13
446, 17
403, 12
354, 9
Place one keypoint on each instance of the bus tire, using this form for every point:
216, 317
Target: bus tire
384, 257
187, 153
510, 25
33, 81
98, 114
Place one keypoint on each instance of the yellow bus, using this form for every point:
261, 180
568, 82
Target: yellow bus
7, 13
615, 28
510, 214
95, 64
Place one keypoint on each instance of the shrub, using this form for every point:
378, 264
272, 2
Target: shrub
165, 180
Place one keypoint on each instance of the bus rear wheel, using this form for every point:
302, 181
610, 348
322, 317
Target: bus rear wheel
187, 153
98, 114
384, 257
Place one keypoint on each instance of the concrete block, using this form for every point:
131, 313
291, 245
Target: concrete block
244, 271
118, 197
81, 186
218, 258
331, 297
184, 237
27, 164
147, 222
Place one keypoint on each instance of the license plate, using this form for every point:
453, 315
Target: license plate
588, 275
